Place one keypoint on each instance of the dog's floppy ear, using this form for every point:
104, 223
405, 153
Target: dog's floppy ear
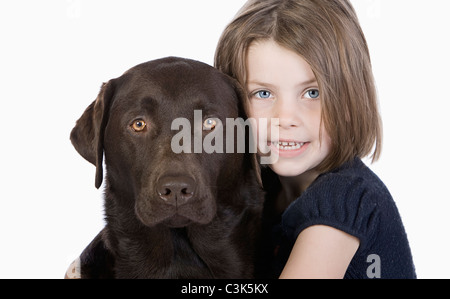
87, 135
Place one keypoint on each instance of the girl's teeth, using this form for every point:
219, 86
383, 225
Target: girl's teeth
288, 145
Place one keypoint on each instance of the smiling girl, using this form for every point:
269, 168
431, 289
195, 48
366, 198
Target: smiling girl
305, 63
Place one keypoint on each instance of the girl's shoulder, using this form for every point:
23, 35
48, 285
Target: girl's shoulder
350, 198
352, 182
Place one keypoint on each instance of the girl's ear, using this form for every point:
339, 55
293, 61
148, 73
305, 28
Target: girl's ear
87, 135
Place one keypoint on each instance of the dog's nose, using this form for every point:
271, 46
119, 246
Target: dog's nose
175, 190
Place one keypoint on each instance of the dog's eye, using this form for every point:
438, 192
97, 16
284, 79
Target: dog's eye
138, 125
209, 124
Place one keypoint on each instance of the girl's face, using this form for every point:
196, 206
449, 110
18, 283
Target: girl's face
282, 85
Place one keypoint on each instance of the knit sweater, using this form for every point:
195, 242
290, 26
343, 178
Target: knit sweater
354, 200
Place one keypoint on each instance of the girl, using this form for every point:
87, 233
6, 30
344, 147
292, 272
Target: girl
306, 64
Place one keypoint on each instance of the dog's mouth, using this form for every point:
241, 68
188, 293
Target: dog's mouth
153, 211
174, 218
177, 221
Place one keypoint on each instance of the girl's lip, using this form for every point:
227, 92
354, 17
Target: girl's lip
288, 148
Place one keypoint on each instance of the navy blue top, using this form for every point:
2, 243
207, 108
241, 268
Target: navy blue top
354, 200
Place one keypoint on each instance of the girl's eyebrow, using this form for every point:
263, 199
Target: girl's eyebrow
305, 83
260, 84
308, 82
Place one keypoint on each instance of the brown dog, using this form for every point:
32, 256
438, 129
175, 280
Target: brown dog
170, 213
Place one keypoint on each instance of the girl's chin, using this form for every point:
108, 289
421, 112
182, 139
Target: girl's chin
287, 169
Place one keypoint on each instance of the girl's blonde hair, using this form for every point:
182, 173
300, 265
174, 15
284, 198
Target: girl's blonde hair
327, 34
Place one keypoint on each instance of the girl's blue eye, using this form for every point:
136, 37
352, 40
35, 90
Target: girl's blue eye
263, 94
312, 94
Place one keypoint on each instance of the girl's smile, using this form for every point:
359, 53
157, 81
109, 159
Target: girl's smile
288, 149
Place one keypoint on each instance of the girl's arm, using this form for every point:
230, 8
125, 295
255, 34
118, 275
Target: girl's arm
320, 252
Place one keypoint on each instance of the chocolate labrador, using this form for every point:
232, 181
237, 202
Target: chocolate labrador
173, 207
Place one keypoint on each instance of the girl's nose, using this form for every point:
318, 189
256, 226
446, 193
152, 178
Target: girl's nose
285, 111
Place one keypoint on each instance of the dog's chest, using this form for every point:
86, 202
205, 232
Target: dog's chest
166, 256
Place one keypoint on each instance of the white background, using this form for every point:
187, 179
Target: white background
54, 54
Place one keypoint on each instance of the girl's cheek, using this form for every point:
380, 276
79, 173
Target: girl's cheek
325, 141
259, 110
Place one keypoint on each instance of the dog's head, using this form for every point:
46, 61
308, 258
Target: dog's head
164, 129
